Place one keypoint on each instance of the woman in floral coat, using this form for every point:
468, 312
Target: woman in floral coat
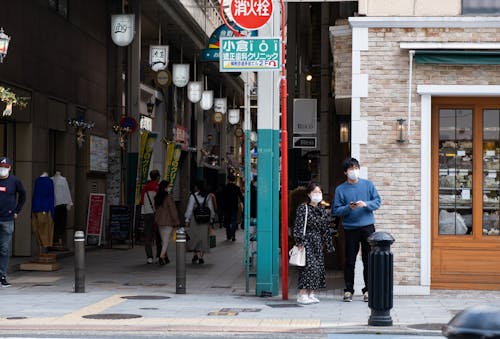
312, 276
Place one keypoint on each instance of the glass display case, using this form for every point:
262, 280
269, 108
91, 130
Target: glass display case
455, 171
491, 172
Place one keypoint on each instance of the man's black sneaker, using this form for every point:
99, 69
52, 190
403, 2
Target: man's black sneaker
3, 282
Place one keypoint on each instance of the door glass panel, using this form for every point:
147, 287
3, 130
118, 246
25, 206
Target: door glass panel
455, 171
491, 172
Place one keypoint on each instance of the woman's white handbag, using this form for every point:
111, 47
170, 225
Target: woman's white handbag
298, 255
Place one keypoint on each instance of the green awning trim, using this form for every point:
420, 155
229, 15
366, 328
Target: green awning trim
457, 57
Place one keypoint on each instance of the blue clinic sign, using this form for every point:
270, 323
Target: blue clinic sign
250, 54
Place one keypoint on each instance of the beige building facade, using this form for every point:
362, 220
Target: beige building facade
433, 177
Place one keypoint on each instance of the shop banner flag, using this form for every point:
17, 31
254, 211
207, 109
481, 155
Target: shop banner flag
174, 152
145, 153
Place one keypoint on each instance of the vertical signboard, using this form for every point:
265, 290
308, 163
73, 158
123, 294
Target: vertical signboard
145, 153
95, 216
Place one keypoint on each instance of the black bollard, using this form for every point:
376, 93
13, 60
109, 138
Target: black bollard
79, 262
482, 321
380, 279
180, 262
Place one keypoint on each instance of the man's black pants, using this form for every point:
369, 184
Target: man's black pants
353, 238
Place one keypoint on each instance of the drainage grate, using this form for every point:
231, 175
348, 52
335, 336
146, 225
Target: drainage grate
283, 305
16, 318
223, 313
145, 297
149, 308
428, 326
145, 284
112, 316
239, 310
220, 286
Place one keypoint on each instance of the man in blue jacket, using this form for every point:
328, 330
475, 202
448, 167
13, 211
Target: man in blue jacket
355, 200
12, 198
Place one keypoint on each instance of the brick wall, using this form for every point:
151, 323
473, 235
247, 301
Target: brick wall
394, 167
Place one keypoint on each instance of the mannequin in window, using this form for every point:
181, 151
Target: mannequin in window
62, 203
42, 211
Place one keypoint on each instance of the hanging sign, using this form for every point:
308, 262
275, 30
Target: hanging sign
172, 159
252, 14
158, 57
220, 105
207, 100
233, 117
122, 28
180, 74
194, 91
163, 78
145, 153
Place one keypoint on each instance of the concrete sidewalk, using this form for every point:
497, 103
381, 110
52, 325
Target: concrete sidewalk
123, 293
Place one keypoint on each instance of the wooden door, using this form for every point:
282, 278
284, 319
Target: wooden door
465, 205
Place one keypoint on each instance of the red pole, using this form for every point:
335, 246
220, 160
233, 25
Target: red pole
284, 163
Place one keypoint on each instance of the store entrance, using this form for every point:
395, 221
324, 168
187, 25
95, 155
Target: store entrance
465, 193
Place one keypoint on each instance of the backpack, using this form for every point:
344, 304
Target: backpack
201, 212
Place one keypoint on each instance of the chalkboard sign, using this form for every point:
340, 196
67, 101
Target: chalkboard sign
120, 221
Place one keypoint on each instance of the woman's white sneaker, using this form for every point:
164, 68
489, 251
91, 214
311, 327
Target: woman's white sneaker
304, 299
313, 298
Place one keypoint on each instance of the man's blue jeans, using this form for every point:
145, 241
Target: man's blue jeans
6, 229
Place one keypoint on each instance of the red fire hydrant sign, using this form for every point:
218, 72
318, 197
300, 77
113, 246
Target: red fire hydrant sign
251, 14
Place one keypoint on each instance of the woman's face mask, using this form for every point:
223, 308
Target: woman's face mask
4, 172
316, 197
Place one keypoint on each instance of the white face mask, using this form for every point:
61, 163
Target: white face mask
4, 172
353, 174
316, 197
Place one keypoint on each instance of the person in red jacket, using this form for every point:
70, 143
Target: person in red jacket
148, 213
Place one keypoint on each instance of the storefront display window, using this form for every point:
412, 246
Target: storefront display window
468, 177
455, 171
491, 172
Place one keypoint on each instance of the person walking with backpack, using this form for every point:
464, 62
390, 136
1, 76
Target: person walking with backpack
199, 211
166, 218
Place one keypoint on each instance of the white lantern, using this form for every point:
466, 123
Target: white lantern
233, 116
158, 57
194, 91
180, 74
207, 100
220, 105
122, 28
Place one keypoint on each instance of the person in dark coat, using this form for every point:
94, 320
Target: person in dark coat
312, 276
12, 198
231, 198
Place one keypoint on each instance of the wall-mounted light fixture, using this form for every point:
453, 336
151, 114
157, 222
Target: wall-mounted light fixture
4, 44
80, 126
401, 131
344, 132
309, 77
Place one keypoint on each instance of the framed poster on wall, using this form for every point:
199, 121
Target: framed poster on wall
98, 154
95, 215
